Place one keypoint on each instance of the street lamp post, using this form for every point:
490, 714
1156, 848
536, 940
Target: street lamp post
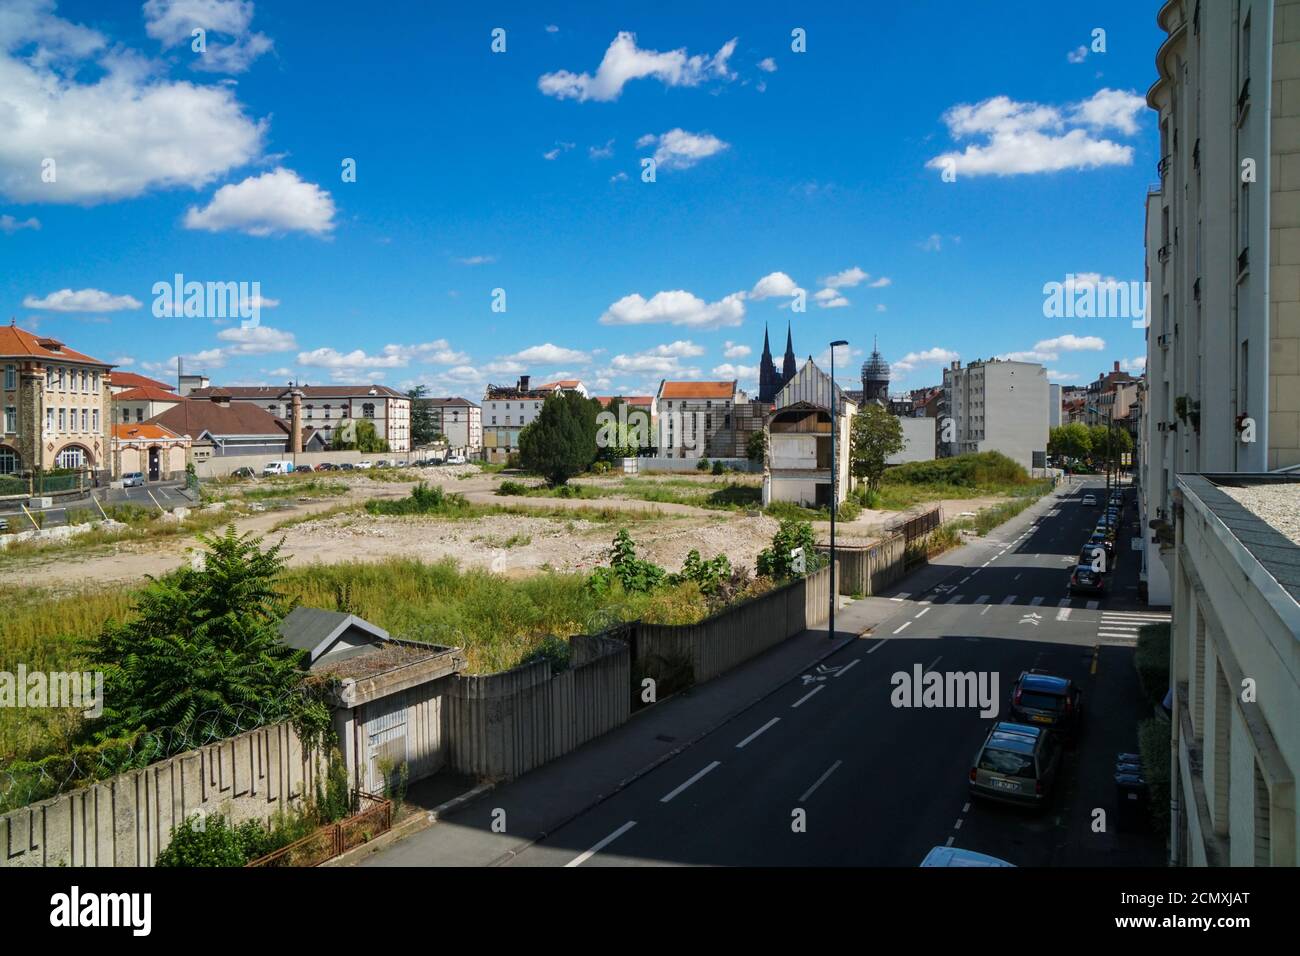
835, 474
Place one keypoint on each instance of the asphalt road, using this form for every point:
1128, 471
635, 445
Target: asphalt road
827, 771
167, 495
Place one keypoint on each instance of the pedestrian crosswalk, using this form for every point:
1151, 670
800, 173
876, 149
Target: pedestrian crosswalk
1123, 627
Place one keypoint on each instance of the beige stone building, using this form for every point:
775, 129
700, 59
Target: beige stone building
154, 450
55, 405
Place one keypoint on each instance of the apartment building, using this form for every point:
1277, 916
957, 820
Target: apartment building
325, 407
458, 420
800, 467
703, 419
508, 408
1236, 690
120, 381
1222, 254
141, 404
996, 405
55, 405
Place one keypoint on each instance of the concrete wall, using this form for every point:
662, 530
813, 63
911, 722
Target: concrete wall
919, 441
220, 467
867, 571
126, 820
645, 464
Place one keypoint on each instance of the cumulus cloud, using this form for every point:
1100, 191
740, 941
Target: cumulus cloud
1023, 137
117, 135
744, 373
677, 307
559, 148
9, 225
438, 352
678, 149
830, 299
274, 202
624, 61
767, 65
931, 356
257, 340
661, 360
1077, 55
774, 285
550, 354
172, 22
83, 300
733, 350
1072, 343
846, 279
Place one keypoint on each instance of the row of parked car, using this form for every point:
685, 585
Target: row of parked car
1097, 557
288, 467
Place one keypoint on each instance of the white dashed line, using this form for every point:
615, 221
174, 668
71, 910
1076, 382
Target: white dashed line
1010, 599
584, 857
930, 666
1093, 605
903, 626
981, 599
665, 799
875, 647
820, 780
922, 613
766, 726
1036, 601
819, 687
847, 667
1063, 614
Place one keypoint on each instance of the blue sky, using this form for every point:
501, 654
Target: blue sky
521, 171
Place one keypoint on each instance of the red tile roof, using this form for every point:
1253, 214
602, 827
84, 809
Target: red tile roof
634, 400
264, 392
196, 416
147, 393
120, 379
697, 389
19, 343
562, 383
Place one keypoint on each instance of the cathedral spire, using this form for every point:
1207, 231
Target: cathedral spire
788, 365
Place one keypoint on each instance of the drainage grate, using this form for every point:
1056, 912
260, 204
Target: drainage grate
665, 738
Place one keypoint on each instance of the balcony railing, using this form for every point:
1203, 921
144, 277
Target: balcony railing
1162, 167
1164, 252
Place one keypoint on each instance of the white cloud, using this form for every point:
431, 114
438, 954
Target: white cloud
733, 350
846, 279
931, 356
549, 354
882, 282
677, 307
257, 340
438, 352
767, 65
1030, 355
652, 360
1023, 137
1062, 376
1071, 343
83, 300
932, 244
625, 61
1134, 366
618, 178
552, 28
274, 202
1077, 55
774, 285
880, 307
505, 367
744, 373
830, 299
476, 260
678, 149
601, 152
125, 132
171, 22
9, 225
559, 148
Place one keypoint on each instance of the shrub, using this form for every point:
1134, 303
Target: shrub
969, 471
1152, 662
423, 500
553, 649
709, 575
777, 562
1153, 745
702, 465
633, 574
848, 510
601, 467
512, 488
209, 841
719, 468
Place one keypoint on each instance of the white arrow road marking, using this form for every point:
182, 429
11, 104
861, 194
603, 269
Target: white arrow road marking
584, 857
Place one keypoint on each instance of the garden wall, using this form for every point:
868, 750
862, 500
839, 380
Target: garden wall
127, 819
869, 570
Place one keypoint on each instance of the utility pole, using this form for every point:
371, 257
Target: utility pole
835, 474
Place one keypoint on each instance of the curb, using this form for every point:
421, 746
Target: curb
414, 824
659, 761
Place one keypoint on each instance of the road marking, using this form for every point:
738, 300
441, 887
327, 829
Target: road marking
986, 609
846, 668
957, 825
584, 857
1063, 614
981, 599
807, 695
955, 599
1064, 602
1016, 578
1093, 605
964, 580
949, 842
760, 730
930, 666
874, 647
1118, 628
922, 613
986, 563
900, 596
904, 626
820, 780
966, 808
1009, 599
1036, 601
712, 766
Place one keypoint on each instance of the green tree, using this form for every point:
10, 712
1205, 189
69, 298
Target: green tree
622, 431
1070, 441
874, 437
779, 562
756, 446
1109, 442
561, 441
202, 656
423, 429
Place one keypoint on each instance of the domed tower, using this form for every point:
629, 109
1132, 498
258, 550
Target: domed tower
875, 377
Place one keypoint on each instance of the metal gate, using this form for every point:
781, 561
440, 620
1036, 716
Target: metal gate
385, 741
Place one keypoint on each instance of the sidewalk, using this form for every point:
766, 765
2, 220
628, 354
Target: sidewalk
545, 799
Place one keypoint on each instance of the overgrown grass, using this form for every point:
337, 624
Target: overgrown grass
282, 488
962, 476
142, 524
719, 495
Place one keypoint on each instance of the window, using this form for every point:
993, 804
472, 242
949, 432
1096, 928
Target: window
58, 379
8, 461
11, 420
139, 414
72, 458
309, 411
63, 419
274, 409
85, 419
94, 420
94, 382
85, 380
126, 415
368, 410
11, 377
494, 419
327, 413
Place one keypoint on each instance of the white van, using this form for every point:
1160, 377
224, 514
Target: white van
277, 468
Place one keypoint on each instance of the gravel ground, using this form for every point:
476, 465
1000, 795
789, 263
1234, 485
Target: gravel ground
1279, 505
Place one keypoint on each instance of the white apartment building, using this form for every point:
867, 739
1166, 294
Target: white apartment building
458, 420
997, 406
326, 407
1232, 664
700, 419
508, 408
1222, 254
1053, 406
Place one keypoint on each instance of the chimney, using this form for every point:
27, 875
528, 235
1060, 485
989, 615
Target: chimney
295, 423
1117, 366
523, 382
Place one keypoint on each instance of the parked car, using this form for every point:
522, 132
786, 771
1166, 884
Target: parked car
277, 468
364, 465
1085, 580
1017, 763
1041, 698
347, 466
1095, 557
956, 856
456, 460
244, 472
133, 479
1090, 500
384, 463
303, 467
327, 466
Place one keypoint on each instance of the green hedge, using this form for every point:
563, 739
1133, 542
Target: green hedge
1153, 744
1152, 662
